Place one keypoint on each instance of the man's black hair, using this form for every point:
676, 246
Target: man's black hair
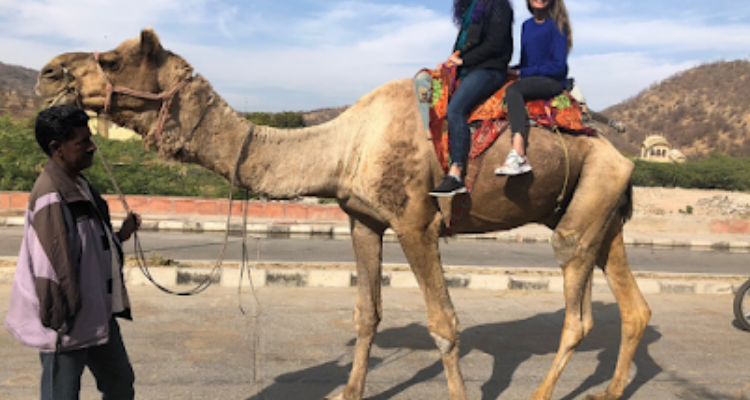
58, 123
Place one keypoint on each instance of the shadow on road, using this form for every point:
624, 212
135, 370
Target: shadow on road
514, 342
313, 383
509, 343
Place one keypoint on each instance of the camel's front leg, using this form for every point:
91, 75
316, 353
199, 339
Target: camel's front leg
368, 249
421, 249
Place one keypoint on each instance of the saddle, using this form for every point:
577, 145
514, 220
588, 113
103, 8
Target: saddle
490, 118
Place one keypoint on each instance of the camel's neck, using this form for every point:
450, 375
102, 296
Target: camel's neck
277, 163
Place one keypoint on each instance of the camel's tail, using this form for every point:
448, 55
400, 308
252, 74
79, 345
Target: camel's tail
626, 210
612, 123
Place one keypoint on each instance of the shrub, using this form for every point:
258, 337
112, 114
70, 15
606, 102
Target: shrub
136, 170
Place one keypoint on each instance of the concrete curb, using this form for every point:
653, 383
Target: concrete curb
338, 231
343, 275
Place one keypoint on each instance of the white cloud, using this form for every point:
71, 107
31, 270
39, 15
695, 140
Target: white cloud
270, 55
328, 70
674, 36
30, 53
90, 22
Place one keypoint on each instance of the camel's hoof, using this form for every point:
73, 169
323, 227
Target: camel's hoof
602, 396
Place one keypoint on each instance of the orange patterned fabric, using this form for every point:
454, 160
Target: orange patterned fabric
561, 112
493, 107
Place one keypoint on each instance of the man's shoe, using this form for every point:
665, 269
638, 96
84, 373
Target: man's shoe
450, 186
515, 164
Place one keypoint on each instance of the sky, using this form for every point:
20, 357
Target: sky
301, 55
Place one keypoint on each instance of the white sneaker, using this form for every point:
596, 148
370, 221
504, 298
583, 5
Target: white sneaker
515, 164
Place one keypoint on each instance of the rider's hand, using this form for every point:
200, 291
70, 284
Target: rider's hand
454, 59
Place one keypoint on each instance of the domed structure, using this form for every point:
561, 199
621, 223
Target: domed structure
656, 148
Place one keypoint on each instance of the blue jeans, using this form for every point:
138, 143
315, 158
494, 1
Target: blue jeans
474, 88
109, 363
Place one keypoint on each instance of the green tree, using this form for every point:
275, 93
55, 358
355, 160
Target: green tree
136, 170
286, 119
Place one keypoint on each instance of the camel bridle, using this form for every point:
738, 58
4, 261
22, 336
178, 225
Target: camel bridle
70, 87
165, 97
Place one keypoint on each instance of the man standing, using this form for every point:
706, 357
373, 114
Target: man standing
68, 287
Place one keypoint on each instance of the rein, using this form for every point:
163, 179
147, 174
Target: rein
165, 97
215, 272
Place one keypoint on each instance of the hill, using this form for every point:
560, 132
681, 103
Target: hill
702, 110
317, 117
17, 96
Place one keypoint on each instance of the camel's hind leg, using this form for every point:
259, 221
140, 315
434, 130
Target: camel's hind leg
420, 245
602, 191
634, 312
368, 249
577, 275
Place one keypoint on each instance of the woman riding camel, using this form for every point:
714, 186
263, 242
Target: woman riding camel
543, 73
481, 53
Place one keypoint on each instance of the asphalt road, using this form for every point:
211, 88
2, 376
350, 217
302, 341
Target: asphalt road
206, 246
300, 347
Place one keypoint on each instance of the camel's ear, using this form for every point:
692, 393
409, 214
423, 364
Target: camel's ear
150, 45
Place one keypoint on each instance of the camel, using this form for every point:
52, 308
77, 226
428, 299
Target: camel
376, 160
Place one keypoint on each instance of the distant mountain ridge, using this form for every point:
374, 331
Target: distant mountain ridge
17, 96
702, 110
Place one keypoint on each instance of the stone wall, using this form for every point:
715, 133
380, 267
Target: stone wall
158, 206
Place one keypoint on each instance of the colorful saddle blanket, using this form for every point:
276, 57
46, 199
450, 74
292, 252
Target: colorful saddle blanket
562, 112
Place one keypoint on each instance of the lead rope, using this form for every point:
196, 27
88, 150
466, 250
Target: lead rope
138, 249
245, 268
217, 267
561, 197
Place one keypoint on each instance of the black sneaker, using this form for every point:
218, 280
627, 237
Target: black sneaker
450, 186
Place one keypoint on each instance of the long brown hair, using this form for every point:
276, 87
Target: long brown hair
559, 13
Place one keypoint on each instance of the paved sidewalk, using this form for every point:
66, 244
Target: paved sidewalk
301, 346
337, 275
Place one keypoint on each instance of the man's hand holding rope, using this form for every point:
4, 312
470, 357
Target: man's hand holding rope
130, 224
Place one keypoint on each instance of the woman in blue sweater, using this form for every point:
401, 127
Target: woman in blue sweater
482, 51
543, 73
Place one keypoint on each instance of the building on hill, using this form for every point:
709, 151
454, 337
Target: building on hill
656, 148
113, 132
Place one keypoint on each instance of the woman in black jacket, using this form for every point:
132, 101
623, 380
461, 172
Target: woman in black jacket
481, 53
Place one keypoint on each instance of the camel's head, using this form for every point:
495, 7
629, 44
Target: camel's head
139, 64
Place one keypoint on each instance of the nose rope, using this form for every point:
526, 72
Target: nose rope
165, 97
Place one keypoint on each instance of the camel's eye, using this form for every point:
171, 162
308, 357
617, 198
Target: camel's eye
110, 63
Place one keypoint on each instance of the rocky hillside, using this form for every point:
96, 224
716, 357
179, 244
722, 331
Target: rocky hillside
702, 110
17, 96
